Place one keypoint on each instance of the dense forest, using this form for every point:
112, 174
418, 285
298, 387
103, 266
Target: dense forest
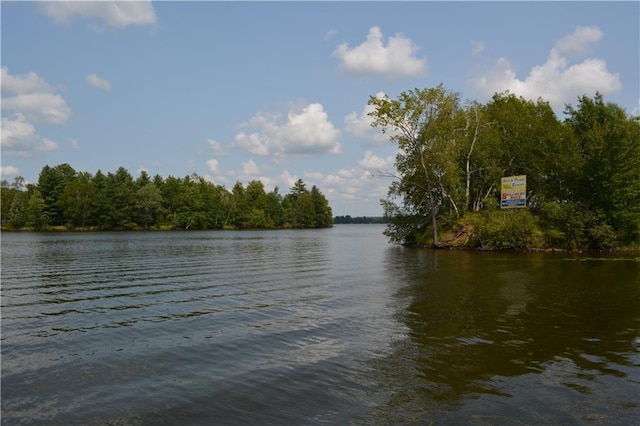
582, 173
345, 220
65, 199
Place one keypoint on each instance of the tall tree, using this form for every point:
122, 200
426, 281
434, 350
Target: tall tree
121, 193
423, 124
532, 142
78, 198
254, 204
609, 144
36, 215
149, 204
323, 215
51, 182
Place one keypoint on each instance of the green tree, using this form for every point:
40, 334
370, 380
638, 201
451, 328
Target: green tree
423, 123
323, 215
8, 192
304, 211
51, 183
609, 184
143, 179
253, 206
77, 199
17, 215
149, 204
190, 211
274, 211
298, 188
236, 204
119, 194
101, 213
211, 203
532, 142
36, 215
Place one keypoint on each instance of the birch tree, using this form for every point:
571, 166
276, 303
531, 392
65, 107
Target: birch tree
423, 123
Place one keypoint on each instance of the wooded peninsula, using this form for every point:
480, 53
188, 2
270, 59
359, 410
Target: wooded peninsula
582, 173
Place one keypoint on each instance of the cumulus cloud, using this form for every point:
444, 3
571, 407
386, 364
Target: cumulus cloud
217, 147
357, 188
360, 124
395, 60
250, 168
98, 82
579, 42
46, 145
39, 107
32, 103
557, 81
24, 83
19, 138
9, 171
373, 163
305, 131
15, 130
213, 165
74, 143
118, 14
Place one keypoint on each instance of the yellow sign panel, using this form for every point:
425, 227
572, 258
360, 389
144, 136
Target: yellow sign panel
514, 192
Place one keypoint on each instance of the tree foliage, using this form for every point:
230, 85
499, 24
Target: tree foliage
583, 173
117, 201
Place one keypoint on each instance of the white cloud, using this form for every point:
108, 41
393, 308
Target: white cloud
31, 105
358, 188
557, 80
16, 131
395, 60
118, 14
19, 138
9, 171
24, 83
373, 163
250, 168
636, 110
217, 147
579, 42
46, 145
287, 181
98, 82
213, 165
306, 131
74, 143
39, 107
360, 125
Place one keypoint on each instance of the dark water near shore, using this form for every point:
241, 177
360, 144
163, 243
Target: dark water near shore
312, 327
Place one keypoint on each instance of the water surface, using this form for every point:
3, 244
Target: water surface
312, 327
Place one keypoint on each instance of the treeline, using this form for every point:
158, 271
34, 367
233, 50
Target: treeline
63, 197
583, 173
358, 219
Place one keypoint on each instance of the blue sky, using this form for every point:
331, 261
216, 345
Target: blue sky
276, 91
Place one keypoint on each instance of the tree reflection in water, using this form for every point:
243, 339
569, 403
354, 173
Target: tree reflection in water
499, 337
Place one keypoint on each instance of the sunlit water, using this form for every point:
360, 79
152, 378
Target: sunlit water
312, 327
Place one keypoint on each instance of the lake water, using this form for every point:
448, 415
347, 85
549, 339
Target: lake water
309, 327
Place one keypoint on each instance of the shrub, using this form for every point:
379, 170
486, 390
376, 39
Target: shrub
495, 229
602, 237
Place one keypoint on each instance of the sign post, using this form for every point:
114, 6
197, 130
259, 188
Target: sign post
514, 192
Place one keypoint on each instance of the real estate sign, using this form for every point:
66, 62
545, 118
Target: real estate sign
514, 192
